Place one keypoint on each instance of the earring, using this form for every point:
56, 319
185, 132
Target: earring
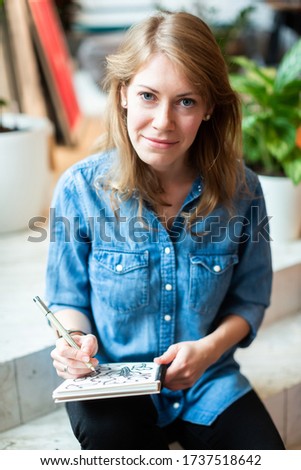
207, 117
124, 104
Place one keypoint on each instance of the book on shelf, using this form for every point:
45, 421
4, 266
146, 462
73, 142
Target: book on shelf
113, 380
25, 80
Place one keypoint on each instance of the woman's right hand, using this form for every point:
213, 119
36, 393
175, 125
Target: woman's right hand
70, 362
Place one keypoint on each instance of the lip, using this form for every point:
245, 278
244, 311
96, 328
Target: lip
160, 143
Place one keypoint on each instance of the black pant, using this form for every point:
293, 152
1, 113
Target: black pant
130, 423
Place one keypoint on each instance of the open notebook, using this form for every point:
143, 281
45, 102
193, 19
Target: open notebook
113, 380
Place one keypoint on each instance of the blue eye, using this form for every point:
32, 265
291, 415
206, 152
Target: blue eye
187, 102
147, 96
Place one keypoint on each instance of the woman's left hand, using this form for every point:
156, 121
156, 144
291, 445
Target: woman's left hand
188, 361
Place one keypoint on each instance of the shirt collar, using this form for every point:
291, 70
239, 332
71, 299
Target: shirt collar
195, 192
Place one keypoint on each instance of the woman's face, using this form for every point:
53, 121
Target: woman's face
164, 113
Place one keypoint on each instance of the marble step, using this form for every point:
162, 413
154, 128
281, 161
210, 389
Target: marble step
273, 365
49, 432
53, 432
26, 373
286, 291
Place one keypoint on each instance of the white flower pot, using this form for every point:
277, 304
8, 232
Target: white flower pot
25, 176
283, 202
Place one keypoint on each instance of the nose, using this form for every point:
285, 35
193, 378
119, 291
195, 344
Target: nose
164, 117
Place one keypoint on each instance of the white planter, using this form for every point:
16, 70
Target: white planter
283, 202
25, 176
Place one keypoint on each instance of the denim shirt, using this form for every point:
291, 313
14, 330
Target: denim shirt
145, 288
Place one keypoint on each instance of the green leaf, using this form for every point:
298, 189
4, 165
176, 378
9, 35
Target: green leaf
290, 67
293, 87
263, 74
254, 120
281, 140
249, 122
255, 96
292, 168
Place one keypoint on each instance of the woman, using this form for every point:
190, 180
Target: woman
166, 255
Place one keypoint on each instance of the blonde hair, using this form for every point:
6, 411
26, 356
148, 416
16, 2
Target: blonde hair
216, 152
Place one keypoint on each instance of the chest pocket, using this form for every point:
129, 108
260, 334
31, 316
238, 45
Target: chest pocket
121, 279
210, 277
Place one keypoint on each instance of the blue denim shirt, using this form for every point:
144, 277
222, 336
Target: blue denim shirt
145, 288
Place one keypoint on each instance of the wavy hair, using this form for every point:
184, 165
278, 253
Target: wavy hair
216, 153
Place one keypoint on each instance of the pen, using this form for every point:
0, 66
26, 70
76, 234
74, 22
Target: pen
64, 333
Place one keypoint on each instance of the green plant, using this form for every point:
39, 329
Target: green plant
271, 101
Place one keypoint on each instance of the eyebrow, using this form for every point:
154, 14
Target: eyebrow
180, 95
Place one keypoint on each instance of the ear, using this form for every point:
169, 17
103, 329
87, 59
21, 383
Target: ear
208, 114
123, 96
210, 111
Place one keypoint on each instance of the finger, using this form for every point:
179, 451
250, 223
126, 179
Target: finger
88, 344
70, 369
68, 352
56, 356
73, 363
88, 348
168, 356
62, 369
178, 380
177, 385
70, 372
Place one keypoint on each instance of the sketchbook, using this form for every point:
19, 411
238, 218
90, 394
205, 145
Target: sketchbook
113, 380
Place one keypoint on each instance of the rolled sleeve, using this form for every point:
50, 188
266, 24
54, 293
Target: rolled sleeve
67, 281
250, 290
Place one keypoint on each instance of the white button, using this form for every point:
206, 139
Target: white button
217, 268
176, 405
167, 317
168, 287
119, 267
167, 250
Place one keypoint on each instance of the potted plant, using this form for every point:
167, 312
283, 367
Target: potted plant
25, 175
271, 102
